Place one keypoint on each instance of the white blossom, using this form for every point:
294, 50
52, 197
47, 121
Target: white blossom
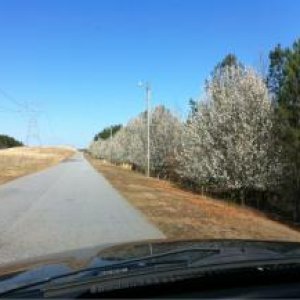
129, 145
227, 141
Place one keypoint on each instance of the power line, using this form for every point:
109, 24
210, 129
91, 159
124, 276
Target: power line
13, 100
9, 110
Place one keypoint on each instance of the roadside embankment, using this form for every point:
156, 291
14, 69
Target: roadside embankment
182, 214
20, 161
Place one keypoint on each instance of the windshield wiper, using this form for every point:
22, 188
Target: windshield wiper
87, 274
184, 262
168, 260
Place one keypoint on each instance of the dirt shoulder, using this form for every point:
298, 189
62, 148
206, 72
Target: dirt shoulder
182, 214
20, 161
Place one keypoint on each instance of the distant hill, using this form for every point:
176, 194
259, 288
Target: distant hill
8, 142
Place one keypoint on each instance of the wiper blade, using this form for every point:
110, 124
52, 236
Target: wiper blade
88, 274
187, 260
164, 275
148, 277
172, 259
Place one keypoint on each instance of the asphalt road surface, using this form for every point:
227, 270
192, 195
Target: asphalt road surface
66, 207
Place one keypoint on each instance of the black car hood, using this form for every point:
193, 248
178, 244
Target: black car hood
42, 268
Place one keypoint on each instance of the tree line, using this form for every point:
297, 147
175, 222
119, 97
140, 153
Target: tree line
8, 142
107, 132
241, 141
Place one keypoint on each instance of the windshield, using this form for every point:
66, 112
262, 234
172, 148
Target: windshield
126, 121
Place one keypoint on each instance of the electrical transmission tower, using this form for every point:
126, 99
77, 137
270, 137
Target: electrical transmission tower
33, 132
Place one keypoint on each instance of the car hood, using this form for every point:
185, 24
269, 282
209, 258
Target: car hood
28, 271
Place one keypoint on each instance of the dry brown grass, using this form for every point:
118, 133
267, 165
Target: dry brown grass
182, 214
20, 161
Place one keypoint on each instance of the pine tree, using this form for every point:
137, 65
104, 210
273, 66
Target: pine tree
284, 83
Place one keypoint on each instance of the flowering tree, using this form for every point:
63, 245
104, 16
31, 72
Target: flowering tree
129, 144
166, 130
227, 141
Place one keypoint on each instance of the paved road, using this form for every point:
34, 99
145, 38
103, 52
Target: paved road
65, 207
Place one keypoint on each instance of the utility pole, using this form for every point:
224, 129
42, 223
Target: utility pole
111, 136
148, 95
147, 88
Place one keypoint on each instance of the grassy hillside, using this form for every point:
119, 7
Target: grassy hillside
16, 162
183, 214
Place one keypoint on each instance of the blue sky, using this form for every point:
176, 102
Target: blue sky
78, 62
